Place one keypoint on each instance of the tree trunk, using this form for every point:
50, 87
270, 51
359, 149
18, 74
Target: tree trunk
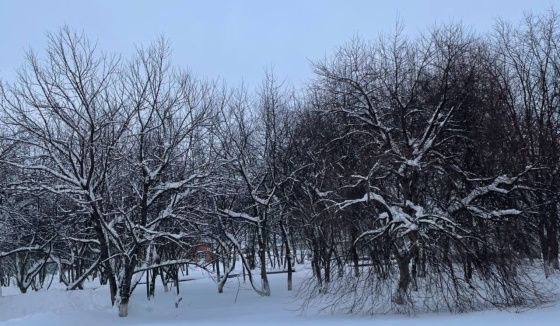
354, 253
148, 284
125, 289
288, 246
152, 289
227, 271
104, 252
404, 280
262, 258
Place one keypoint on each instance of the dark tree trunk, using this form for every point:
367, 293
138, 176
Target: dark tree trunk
104, 253
287, 244
125, 286
404, 280
262, 258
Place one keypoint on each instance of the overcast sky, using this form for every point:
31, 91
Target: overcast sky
237, 40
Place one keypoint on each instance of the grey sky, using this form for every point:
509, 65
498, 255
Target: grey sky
237, 40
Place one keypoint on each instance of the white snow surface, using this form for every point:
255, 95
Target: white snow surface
238, 305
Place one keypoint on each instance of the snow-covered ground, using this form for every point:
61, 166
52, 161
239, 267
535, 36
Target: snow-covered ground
238, 305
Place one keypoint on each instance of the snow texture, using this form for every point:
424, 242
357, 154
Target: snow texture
238, 305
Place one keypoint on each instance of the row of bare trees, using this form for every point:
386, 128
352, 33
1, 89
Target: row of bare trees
409, 173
